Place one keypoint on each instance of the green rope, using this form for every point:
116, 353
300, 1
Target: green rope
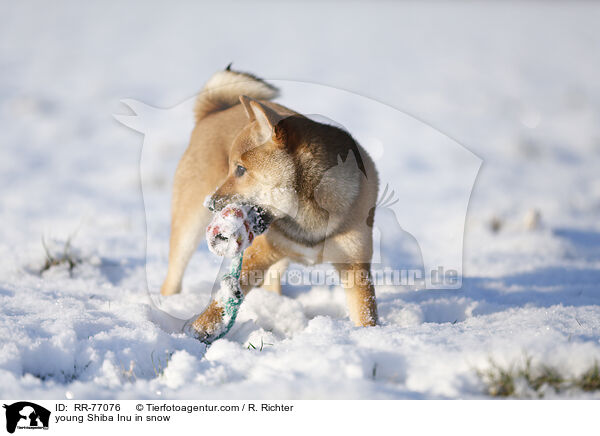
232, 305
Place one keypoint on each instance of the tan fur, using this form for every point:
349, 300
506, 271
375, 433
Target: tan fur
272, 280
209, 319
317, 183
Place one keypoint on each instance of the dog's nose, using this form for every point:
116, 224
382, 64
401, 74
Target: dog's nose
216, 202
210, 203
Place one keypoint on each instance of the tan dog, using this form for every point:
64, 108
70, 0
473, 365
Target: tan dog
315, 183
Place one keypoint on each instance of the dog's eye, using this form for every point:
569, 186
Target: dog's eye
240, 171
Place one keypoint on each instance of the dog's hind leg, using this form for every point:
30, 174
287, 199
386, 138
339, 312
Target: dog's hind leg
189, 218
186, 234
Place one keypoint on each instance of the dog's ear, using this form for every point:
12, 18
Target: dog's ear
246, 104
269, 123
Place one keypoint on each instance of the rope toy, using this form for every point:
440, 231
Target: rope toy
230, 232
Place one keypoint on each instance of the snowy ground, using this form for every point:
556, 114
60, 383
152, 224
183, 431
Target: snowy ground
515, 84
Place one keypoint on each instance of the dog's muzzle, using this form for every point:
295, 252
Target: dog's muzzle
261, 217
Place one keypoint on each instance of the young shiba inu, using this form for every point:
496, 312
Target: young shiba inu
316, 187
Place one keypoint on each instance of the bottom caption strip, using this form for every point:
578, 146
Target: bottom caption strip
97, 417
267, 418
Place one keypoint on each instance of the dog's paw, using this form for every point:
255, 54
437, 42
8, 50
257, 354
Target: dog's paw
219, 315
190, 330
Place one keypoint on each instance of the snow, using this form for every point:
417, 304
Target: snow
516, 85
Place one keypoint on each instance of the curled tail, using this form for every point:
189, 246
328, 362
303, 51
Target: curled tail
224, 88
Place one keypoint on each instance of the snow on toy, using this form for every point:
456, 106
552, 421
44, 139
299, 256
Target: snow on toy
233, 229
230, 232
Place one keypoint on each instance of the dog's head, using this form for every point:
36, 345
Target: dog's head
262, 169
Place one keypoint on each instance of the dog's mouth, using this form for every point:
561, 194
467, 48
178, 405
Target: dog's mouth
257, 214
260, 217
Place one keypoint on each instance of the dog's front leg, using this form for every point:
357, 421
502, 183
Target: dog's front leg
360, 292
272, 281
258, 258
